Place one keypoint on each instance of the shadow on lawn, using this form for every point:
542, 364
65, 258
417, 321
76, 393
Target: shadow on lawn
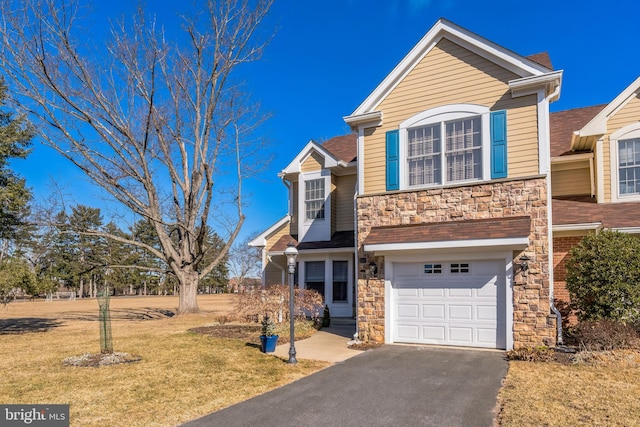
123, 314
26, 325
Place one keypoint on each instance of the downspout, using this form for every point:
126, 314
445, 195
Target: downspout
559, 341
356, 335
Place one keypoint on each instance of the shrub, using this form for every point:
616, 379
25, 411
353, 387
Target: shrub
274, 301
603, 277
603, 335
268, 327
531, 354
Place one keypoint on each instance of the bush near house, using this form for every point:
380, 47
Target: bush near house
603, 277
274, 301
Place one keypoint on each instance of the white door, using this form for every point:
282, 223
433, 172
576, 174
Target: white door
458, 303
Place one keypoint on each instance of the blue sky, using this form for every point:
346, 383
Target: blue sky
327, 56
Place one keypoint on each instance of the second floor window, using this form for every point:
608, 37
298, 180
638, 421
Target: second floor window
461, 157
314, 199
629, 166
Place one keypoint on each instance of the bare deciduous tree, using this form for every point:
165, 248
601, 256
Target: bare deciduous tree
244, 262
160, 124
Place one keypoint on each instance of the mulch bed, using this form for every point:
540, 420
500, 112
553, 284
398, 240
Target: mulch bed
364, 346
95, 360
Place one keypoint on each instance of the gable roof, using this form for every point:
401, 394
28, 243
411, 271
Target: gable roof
532, 73
337, 151
343, 147
261, 239
564, 123
586, 136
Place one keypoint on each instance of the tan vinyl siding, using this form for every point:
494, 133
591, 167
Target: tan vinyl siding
276, 235
273, 274
627, 115
313, 163
451, 74
294, 210
345, 190
570, 182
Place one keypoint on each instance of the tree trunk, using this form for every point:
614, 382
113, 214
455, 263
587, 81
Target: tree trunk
188, 302
81, 290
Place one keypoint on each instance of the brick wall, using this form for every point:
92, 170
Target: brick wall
532, 324
561, 247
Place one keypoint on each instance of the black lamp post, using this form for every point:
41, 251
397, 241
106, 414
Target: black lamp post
291, 253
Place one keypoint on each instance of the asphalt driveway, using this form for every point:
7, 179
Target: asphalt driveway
389, 386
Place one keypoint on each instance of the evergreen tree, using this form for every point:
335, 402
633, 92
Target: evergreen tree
15, 139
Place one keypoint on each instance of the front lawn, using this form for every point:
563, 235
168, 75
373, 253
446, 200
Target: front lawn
182, 375
603, 392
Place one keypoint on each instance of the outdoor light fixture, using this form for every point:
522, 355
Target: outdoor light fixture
524, 264
292, 254
373, 269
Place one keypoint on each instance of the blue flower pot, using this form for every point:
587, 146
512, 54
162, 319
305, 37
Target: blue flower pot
268, 343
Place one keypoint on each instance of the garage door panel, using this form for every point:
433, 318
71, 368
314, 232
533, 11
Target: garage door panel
484, 312
427, 292
460, 312
461, 336
486, 336
411, 292
432, 311
434, 334
408, 311
460, 293
453, 309
410, 333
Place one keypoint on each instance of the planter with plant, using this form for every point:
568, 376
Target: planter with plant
268, 339
326, 317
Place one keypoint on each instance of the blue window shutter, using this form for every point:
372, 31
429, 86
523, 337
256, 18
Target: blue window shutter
393, 160
499, 144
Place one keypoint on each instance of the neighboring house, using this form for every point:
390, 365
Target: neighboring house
322, 185
451, 237
595, 170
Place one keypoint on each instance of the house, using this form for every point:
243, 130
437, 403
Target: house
595, 170
320, 221
436, 220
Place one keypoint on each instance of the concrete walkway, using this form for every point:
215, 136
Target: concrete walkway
328, 344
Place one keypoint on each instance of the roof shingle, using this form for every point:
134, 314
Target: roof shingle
343, 147
611, 215
564, 123
494, 228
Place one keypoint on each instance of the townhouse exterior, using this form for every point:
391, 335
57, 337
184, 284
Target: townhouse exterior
446, 216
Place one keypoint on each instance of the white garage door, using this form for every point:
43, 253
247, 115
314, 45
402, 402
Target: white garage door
450, 303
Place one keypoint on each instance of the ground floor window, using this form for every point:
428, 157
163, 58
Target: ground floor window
314, 276
340, 278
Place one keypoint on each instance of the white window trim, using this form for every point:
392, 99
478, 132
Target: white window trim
306, 200
443, 114
631, 131
328, 275
320, 228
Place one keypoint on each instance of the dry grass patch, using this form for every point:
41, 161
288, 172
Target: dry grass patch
551, 394
180, 377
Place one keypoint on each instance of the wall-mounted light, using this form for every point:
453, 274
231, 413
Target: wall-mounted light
373, 269
524, 264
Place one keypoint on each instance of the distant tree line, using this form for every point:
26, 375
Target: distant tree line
60, 256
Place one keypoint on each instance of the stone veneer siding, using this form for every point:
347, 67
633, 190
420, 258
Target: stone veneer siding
532, 323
